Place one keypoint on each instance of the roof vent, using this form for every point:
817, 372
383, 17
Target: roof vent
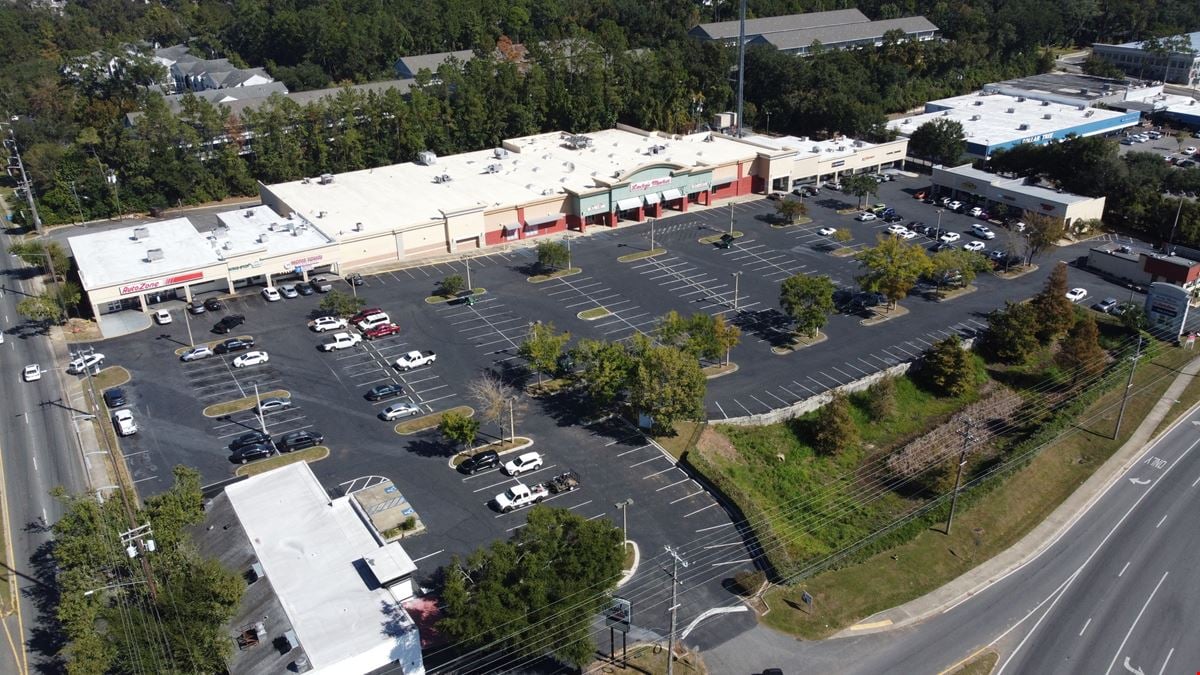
975, 118
437, 179
262, 238
358, 227
500, 153
1023, 127
326, 178
1089, 113
1081, 106
249, 213
154, 254
978, 102
1020, 99
426, 158
1011, 110
322, 214
1047, 116
140, 233
1045, 103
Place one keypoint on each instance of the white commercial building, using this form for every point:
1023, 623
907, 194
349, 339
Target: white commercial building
1015, 195
1180, 64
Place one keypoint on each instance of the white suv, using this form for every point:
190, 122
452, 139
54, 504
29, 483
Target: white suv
983, 231
373, 321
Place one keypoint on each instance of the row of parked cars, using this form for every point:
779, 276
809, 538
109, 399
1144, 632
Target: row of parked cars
257, 444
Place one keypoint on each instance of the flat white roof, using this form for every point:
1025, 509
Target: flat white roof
806, 147
261, 229
312, 548
532, 169
995, 124
116, 256
1016, 185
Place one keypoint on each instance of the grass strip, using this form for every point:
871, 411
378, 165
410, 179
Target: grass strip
879, 317
548, 387
211, 344
112, 376
438, 299
426, 422
799, 342
642, 255
645, 659
244, 403
990, 520
719, 369
980, 664
310, 455
685, 437
500, 447
714, 238
802, 220
593, 313
542, 278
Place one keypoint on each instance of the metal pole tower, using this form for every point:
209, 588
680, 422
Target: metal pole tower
967, 437
741, 64
1128, 386
676, 561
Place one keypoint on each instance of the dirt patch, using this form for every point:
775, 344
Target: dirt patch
714, 445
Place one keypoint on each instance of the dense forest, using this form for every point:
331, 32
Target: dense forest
640, 69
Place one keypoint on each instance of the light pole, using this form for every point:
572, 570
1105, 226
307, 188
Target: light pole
767, 131
624, 506
78, 204
652, 234
262, 421
467, 262
187, 320
939, 225
736, 278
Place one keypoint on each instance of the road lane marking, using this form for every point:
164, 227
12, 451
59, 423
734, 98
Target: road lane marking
1089, 622
1123, 570
1165, 662
1160, 522
1135, 622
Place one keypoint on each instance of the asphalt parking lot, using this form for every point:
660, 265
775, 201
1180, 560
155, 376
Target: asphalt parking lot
613, 461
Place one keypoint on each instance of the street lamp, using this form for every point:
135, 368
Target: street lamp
736, 278
767, 131
939, 225
624, 506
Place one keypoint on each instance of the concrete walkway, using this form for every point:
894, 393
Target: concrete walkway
123, 323
1042, 536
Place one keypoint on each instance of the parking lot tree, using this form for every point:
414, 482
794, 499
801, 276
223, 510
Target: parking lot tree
881, 399
892, 268
665, 383
1181, 138
1041, 232
604, 369
1133, 317
452, 285
41, 308
342, 304
552, 255
842, 235
1080, 354
833, 428
940, 141
701, 335
1056, 313
458, 428
946, 368
498, 402
1011, 333
522, 596
862, 186
542, 348
791, 210
808, 300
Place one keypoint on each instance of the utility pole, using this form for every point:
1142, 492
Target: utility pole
1128, 386
741, 65
731, 219
652, 234
676, 561
967, 437
737, 276
467, 262
27, 186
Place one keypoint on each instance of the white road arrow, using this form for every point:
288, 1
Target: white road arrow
1131, 668
1140, 481
1196, 423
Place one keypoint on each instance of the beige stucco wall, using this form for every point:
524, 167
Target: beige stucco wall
106, 294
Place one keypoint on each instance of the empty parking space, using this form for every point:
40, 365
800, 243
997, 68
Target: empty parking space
489, 325
580, 293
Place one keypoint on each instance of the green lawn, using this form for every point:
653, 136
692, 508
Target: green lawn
310, 455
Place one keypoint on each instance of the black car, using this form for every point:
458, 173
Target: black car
114, 397
894, 218
299, 440
213, 305
725, 241
354, 279
196, 307
234, 345
385, 391
304, 289
251, 452
228, 323
254, 437
488, 459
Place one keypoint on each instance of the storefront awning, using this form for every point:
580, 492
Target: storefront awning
672, 194
542, 220
652, 199
698, 187
629, 203
511, 227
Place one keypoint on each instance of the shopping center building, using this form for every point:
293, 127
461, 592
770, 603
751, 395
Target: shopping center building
527, 188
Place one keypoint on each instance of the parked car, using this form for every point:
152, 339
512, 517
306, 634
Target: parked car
528, 461
320, 284
865, 217
896, 228
304, 289
341, 341
114, 398
249, 453
826, 231
907, 234
355, 279
31, 372
213, 305
196, 353
271, 294
950, 237
415, 359
234, 345
268, 405
955, 205
878, 208
776, 196
397, 410
976, 246
1189, 150
299, 440
488, 459
250, 438
370, 311
519, 496
123, 421
982, 231
833, 185
197, 307
251, 359
83, 364
975, 211
1076, 294
325, 323
289, 291
893, 218
162, 317
382, 331
383, 392
1106, 306
374, 321
228, 323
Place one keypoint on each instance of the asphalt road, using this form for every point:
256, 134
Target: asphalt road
1116, 593
39, 453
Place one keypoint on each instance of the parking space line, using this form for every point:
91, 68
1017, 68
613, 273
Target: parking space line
768, 393
722, 410
714, 527
646, 461
698, 492
622, 440
671, 485
689, 515
743, 407
759, 401
657, 473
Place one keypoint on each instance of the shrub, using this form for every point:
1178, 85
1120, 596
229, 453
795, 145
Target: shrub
747, 582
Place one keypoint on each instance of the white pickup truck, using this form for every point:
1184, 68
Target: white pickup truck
520, 495
123, 421
341, 341
415, 359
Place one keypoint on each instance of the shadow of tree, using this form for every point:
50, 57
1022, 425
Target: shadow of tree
46, 637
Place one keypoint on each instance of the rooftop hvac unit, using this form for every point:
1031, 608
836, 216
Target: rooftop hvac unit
358, 227
322, 214
547, 192
858, 144
492, 168
1045, 103
1047, 116
1081, 107
140, 233
945, 113
1011, 110
295, 232
907, 120
291, 215
1020, 99
978, 102
437, 179
262, 238
816, 148
426, 158
227, 245
804, 139
326, 178
975, 118
154, 254
1089, 113
500, 153
1023, 127
305, 180
249, 213
578, 141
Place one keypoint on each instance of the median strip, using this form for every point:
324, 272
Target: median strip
438, 299
427, 422
542, 278
641, 255
310, 455
712, 239
244, 403
502, 447
593, 313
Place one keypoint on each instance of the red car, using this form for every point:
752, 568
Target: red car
382, 331
364, 314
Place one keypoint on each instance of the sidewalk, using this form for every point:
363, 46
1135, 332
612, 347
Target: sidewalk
1041, 537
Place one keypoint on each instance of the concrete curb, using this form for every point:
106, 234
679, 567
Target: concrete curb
1046, 533
637, 558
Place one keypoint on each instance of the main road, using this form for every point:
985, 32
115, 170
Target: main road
1117, 592
38, 452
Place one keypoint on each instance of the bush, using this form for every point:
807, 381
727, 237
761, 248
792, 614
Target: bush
408, 524
881, 399
833, 428
452, 285
747, 582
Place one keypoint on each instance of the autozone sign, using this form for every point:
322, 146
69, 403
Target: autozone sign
169, 281
649, 184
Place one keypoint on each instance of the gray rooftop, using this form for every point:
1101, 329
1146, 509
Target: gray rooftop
1078, 86
409, 66
1016, 185
728, 30
832, 36
1193, 37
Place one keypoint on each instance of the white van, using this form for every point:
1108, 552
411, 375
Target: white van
373, 321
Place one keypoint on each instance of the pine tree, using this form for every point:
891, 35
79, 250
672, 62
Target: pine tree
1055, 313
1081, 355
946, 368
834, 428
